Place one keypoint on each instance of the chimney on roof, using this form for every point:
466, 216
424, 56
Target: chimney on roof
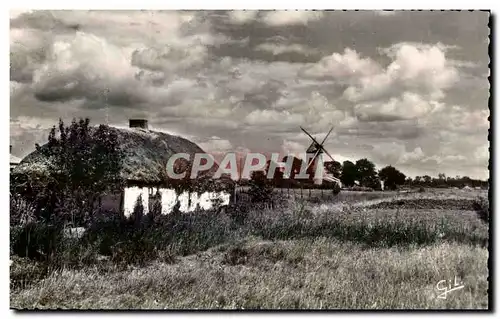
139, 123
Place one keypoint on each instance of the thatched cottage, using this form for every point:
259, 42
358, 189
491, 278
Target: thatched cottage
146, 153
14, 160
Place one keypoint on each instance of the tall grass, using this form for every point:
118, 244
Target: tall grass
384, 230
315, 273
109, 259
122, 242
482, 207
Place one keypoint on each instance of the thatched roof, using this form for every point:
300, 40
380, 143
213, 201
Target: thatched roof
14, 159
146, 153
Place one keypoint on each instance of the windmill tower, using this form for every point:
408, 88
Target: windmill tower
315, 152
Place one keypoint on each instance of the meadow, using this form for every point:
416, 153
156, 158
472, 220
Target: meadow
373, 251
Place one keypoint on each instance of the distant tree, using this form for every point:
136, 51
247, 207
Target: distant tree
334, 168
418, 180
427, 180
367, 174
392, 177
87, 163
408, 181
349, 173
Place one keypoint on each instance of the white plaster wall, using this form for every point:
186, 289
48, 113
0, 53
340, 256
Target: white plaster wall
225, 198
184, 200
205, 201
169, 199
131, 195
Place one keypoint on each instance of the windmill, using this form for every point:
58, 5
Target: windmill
317, 150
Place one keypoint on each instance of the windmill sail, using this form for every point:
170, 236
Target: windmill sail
318, 150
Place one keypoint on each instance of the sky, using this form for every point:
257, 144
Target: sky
407, 89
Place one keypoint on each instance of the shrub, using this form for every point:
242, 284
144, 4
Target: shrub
21, 212
135, 241
261, 189
336, 189
35, 240
482, 207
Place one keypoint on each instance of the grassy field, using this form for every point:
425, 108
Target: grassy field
384, 252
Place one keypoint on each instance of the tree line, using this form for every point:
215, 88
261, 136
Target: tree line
364, 173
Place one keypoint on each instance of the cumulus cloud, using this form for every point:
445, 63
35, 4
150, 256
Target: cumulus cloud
411, 86
28, 50
121, 26
84, 67
279, 18
422, 69
242, 16
216, 144
26, 131
343, 67
14, 13
454, 119
397, 154
408, 92
468, 121
16, 88
386, 13
408, 106
482, 155
317, 111
274, 18
293, 148
411, 157
160, 59
198, 109
285, 48
271, 117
